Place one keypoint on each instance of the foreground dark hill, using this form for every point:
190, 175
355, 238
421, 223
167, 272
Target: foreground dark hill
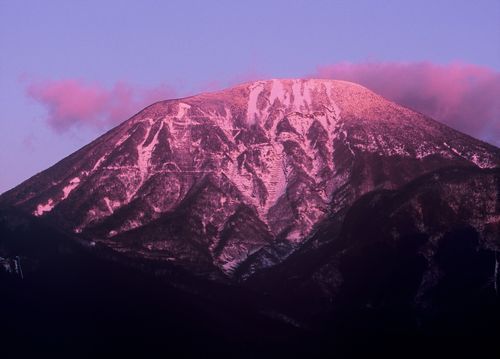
281, 217
425, 253
391, 283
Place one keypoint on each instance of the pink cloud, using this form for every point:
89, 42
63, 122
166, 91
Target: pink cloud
463, 96
73, 103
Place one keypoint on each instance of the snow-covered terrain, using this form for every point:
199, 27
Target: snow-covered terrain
247, 172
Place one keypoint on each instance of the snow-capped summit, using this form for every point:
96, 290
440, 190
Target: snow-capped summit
238, 179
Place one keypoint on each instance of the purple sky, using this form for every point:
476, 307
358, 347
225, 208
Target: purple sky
71, 69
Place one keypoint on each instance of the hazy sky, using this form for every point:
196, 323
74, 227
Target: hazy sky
118, 55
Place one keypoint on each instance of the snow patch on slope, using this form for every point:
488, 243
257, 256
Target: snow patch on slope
145, 152
182, 109
70, 187
278, 92
253, 113
98, 164
44, 207
301, 96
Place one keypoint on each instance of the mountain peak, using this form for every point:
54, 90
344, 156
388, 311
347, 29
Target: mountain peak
257, 101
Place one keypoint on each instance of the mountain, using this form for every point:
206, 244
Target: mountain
277, 217
232, 182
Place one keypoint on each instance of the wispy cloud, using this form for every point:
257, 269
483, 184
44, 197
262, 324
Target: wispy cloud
73, 103
463, 96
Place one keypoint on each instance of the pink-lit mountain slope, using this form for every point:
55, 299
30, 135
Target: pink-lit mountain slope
207, 182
